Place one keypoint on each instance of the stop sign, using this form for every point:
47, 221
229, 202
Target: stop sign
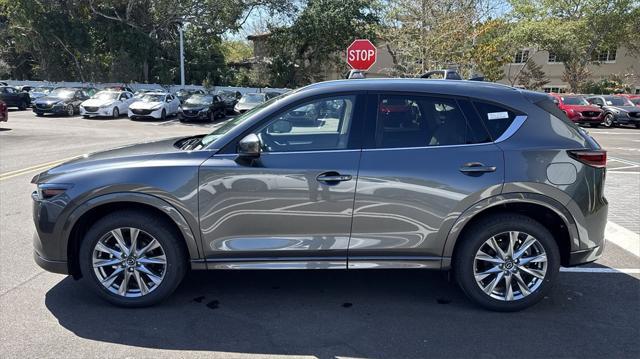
361, 55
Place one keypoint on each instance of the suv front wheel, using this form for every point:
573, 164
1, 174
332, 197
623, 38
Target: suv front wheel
132, 259
507, 262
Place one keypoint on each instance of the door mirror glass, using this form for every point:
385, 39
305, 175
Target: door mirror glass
249, 146
280, 126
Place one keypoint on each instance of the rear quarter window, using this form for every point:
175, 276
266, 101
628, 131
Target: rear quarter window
495, 118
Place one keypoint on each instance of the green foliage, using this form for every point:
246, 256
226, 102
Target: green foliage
311, 46
532, 77
616, 83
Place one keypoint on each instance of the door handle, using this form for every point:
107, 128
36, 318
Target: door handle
333, 177
476, 168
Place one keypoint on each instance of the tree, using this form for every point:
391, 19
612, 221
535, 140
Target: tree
576, 30
532, 77
304, 51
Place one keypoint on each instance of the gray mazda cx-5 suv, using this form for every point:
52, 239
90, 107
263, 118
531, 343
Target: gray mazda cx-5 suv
488, 181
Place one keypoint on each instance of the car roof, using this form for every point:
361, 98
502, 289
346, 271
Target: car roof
156, 93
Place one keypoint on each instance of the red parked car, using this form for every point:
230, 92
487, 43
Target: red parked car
578, 109
635, 99
4, 112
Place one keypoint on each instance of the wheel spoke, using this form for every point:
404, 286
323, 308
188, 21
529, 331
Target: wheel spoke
513, 238
153, 260
492, 285
144, 289
103, 248
482, 275
117, 234
494, 245
149, 247
524, 289
108, 281
154, 278
508, 289
534, 272
483, 256
124, 285
540, 258
133, 232
106, 262
528, 242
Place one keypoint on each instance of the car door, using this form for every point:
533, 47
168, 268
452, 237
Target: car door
10, 96
122, 102
424, 163
292, 206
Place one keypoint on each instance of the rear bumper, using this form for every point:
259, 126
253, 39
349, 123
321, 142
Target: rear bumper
60, 267
585, 256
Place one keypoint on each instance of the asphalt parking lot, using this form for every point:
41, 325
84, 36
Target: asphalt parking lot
593, 311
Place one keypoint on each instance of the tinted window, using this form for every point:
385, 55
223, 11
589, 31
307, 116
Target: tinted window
322, 124
495, 118
419, 121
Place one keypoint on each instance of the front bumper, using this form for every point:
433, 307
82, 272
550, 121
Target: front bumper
188, 116
156, 115
53, 109
101, 112
60, 267
586, 256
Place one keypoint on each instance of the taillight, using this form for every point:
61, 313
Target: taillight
593, 158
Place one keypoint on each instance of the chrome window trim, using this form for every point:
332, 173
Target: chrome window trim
512, 129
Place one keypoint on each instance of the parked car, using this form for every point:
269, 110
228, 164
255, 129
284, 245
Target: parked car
119, 88
578, 109
4, 112
617, 110
61, 101
154, 105
202, 107
507, 190
38, 92
14, 98
106, 104
635, 99
230, 99
249, 101
24, 88
184, 94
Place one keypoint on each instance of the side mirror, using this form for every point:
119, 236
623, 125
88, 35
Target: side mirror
249, 146
281, 126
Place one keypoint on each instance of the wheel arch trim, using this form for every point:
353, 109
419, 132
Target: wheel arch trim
509, 198
139, 198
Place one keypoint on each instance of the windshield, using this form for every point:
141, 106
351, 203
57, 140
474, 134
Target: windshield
232, 123
252, 98
105, 95
62, 93
41, 89
635, 101
153, 98
199, 100
617, 101
575, 100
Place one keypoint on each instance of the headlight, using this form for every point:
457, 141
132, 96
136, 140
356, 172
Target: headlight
156, 107
50, 190
615, 111
60, 103
204, 110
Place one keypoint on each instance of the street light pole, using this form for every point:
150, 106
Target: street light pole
181, 56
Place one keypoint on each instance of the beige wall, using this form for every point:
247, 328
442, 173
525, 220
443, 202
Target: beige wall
624, 63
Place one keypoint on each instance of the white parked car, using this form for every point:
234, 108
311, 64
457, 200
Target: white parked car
106, 104
249, 101
156, 105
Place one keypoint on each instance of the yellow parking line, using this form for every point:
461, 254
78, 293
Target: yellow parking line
40, 167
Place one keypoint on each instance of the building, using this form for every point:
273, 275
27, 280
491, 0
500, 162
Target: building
606, 63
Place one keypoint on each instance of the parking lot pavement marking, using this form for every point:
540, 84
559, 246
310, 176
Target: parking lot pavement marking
39, 167
600, 270
623, 238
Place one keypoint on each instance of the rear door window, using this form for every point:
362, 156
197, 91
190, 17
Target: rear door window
420, 121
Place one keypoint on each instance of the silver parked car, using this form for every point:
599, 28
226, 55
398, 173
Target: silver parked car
491, 182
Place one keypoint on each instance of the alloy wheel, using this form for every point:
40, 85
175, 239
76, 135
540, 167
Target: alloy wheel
608, 120
116, 112
129, 262
70, 110
510, 266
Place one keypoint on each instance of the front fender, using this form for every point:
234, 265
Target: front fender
187, 232
505, 198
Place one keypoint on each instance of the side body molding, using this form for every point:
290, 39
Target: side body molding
501, 199
182, 224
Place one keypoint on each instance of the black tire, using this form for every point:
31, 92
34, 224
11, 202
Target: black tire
608, 121
637, 125
115, 113
163, 232
22, 106
163, 116
594, 125
39, 114
483, 230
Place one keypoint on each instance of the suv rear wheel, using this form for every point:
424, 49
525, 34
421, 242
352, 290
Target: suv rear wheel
507, 262
132, 259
